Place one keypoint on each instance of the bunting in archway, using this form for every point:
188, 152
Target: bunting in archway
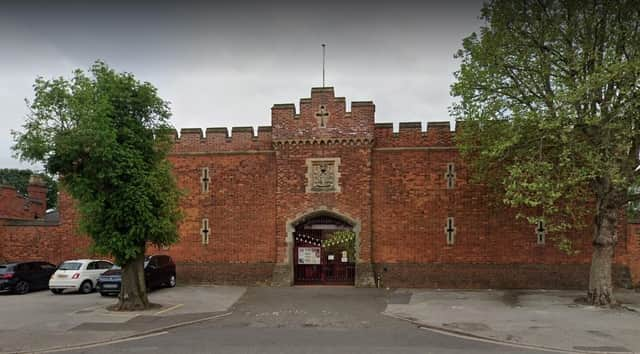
308, 239
339, 238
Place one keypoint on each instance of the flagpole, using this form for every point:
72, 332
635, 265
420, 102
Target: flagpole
323, 60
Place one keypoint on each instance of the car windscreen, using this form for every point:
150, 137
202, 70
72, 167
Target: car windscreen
4, 269
115, 266
70, 266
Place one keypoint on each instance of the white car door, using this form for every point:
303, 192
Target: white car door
93, 272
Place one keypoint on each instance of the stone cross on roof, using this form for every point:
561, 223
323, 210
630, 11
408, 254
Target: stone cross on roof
323, 116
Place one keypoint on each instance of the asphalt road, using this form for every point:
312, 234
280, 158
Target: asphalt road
305, 320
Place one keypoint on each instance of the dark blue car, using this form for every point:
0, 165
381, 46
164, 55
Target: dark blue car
22, 277
159, 270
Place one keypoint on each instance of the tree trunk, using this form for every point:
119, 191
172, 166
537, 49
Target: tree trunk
604, 242
133, 293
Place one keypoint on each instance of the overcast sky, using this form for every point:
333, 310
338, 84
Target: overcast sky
227, 64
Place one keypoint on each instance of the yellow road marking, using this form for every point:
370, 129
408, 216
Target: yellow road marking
169, 309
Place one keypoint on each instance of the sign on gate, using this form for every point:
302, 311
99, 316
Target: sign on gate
308, 255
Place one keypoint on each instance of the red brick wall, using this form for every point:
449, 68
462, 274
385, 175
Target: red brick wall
353, 200
631, 254
240, 206
14, 205
37, 194
492, 248
411, 205
41, 240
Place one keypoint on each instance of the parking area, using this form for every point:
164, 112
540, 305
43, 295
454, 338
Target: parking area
42, 319
44, 307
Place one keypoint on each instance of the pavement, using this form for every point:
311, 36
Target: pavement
41, 321
538, 318
297, 320
208, 319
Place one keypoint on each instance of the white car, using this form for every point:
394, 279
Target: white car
78, 275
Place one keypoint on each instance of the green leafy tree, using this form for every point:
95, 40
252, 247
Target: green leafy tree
548, 95
105, 134
19, 179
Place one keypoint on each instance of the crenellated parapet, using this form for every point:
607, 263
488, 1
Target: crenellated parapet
410, 134
322, 117
193, 140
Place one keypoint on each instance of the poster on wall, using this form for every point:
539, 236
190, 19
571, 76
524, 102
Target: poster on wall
308, 255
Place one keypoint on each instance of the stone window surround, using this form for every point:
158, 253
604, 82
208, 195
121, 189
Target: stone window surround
205, 179
450, 227
336, 163
450, 175
205, 231
541, 232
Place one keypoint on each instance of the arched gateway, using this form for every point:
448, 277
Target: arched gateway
324, 246
324, 250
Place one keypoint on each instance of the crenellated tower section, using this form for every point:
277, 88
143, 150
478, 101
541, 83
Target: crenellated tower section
323, 118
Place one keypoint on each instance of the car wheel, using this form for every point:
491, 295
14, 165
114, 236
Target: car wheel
56, 291
172, 281
86, 287
22, 287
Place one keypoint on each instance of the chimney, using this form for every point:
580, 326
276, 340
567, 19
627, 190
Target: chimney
37, 192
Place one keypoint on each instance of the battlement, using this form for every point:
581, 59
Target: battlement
193, 140
410, 134
322, 116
